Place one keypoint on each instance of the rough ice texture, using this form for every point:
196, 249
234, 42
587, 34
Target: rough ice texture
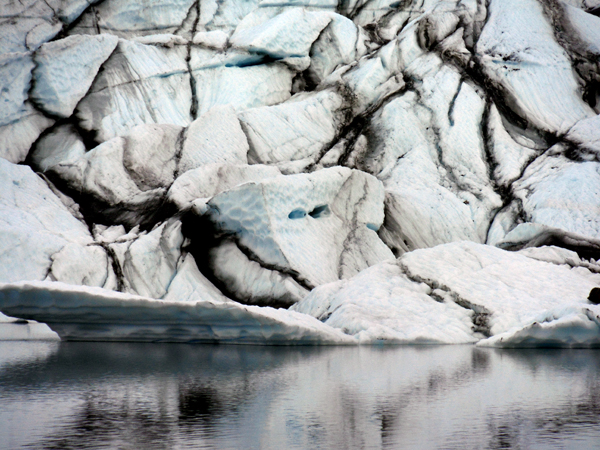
139, 84
295, 130
242, 87
16, 138
382, 305
509, 288
459, 292
250, 282
211, 179
437, 185
273, 36
190, 285
215, 137
518, 51
320, 226
34, 225
139, 18
62, 144
453, 120
564, 327
90, 314
553, 193
151, 261
65, 70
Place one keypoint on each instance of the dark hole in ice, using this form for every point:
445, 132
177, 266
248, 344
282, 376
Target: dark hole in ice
320, 211
21, 322
297, 214
594, 296
372, 226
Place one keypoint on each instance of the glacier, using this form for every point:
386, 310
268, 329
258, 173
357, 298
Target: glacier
301, 171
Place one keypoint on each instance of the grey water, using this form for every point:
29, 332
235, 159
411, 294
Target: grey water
60, 395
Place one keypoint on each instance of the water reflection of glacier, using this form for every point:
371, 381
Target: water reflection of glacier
76, 395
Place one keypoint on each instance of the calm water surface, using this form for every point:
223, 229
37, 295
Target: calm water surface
166, 396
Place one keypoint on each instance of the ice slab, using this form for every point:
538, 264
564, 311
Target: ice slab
110, 191
65, 70
17, 137
242, 86
433, 166
62, 144
565, 327
34, 225
139, 84
272, 37
558, 192
15, 81
297, 130
140, 18
518, 51
211, 179
95, 314
151, 260
214, 137
249, 282
320, 226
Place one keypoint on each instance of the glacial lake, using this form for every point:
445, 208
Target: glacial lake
60, 395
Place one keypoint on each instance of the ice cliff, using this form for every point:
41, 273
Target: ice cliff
302, 171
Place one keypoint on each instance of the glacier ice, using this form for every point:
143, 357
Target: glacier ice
327, 239
65, 69
265, 153
83, 314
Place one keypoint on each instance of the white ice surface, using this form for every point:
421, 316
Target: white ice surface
434, 193
381, 305
211, 179
149, 155
339, 43
17, 137
560, 193
128, 19
15, 80
510, 156
295, 130
273, 37
21, 34
512, 288
250, 282
34, 225
139, 84
101, 173
216, 39
587, 27
65, 70
83, 313
574, 326
449, 293
150, 262
190, 285
81, 265
586, 135
242, 87
518, 50
62, 144
320, 225
215, 137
